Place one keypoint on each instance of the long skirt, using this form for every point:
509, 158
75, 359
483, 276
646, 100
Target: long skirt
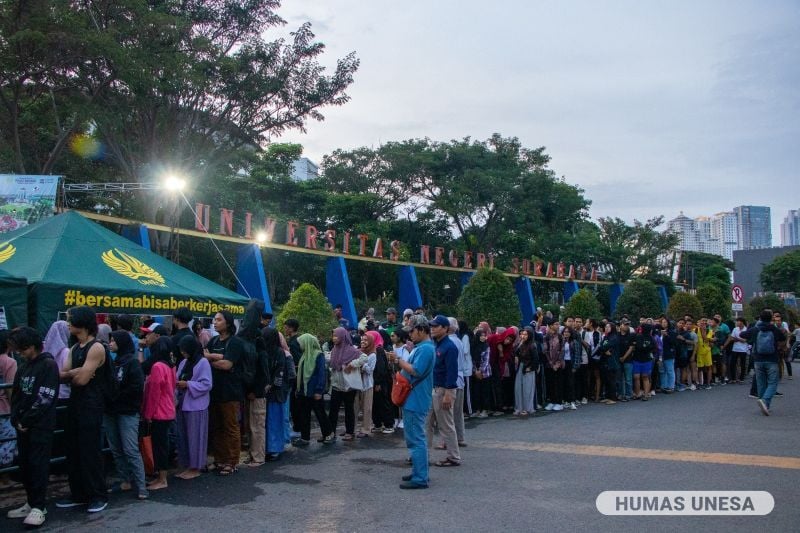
276, 427
525, 392
192, 438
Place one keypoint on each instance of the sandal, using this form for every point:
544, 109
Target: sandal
440, 447
226, 470
446, 462
523, 413
348, 436
361, 435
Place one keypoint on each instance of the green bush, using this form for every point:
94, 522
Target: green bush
713, 300
309, 307
640, 298
584, 304
770, 301
682, 304
489, 296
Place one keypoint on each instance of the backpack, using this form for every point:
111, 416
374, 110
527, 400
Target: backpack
248, 363
795, 351
109, 385
765, 342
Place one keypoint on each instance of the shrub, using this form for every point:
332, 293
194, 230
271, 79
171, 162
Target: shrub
489, 296
713, 300
639, 298
584, 304
309, 307
682, 304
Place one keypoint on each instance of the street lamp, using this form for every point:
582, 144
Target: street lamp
174, 183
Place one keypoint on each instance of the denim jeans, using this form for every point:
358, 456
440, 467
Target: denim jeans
628, 379
122, 432
666, 372
767, 380
414, 430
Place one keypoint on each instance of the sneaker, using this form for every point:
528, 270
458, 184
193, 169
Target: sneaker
753, 396
20, 512
763, 405
35, 518
412, 485
584, 401
387, 431
708, 387
778, 393
549, 407
681, 388
558, 407
483, 414
294, 435
300, 442
652, 393
97, 506
376, 429
692, 387
69, 503
400, 425
571, 406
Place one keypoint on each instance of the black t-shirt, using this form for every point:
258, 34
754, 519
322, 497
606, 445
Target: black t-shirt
625, 342
643, 348
227, 384
669, 344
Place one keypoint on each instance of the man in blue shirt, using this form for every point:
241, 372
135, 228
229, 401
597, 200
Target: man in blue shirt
445, 387
419, 372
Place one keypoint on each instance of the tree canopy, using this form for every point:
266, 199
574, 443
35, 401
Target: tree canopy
782, 274
639, 299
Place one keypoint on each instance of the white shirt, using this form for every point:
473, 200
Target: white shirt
741, 347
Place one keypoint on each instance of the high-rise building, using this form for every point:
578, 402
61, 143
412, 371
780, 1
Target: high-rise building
754, 227
790, 229
712, 235
304, 169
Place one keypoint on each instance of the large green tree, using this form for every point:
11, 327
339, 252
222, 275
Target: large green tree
639, 299
782, 274
626, 250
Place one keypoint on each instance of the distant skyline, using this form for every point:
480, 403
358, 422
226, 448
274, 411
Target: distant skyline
652, 108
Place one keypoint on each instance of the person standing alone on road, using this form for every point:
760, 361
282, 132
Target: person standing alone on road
765, 338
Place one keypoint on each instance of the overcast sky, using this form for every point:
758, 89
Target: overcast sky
652, 107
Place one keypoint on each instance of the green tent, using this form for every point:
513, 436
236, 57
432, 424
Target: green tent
13, 299
69, 260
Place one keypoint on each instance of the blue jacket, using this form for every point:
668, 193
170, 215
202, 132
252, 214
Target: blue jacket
445, 373
316, 385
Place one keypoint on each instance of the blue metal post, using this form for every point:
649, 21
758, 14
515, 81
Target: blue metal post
138, 234
250, 271
409, 296
526, 304
616, 292
337, 289
570, 288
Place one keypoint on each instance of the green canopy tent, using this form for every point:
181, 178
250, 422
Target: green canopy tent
69, 260
13, 298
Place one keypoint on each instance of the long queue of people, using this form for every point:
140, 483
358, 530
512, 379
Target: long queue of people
189, 395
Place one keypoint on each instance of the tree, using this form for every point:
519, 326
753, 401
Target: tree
639, 299
691, 264
309, 307
489, 296
782, 274
625, 250
682, 304
773, 302
583, 304
713, 300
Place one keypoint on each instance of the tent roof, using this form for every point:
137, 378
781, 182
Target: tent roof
71, 251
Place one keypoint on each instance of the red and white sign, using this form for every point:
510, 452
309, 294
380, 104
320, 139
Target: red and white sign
737, 293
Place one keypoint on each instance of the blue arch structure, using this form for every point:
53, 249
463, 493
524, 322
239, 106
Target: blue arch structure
615, 293
527, 306
409, 296
337, 288
465, 277
662, 293
250, 271
570, 288
138, 234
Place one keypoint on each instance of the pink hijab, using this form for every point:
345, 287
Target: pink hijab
376, 338
344, 352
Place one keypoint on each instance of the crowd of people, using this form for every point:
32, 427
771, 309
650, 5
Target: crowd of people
164, 397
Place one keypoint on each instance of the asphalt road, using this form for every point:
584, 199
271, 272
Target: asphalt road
542, 474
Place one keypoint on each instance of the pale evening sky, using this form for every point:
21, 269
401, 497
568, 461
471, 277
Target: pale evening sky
651, 107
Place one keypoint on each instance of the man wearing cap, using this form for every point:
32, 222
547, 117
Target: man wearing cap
445, 386
391, 321
152, 333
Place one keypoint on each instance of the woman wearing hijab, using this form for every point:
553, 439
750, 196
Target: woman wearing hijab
342, 355
158, 408
526, 360
482, 373
382, 411
121, 418
281, 375
104, 333
399, 351
366, 365
311, 378
194, 394
56, 343
501, 346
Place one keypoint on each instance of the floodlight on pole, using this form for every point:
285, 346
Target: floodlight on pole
261, 237
174, 183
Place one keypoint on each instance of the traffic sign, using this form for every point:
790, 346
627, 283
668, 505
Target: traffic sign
737, 307
737, 292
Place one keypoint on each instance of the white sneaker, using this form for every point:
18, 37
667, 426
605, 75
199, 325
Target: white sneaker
558, 407
584, 401
35, 518
20, 512
549, 407
693, 387
652, 393
400, 425
572, 406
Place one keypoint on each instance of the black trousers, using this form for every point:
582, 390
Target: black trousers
84, 443
34, 447
337, 399
294, 409
382, 412
582, 381
159, 433
481, 392
568, 382
305, 406
609, 376
733, 359
555, 380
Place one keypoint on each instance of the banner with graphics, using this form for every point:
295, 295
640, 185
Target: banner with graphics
26, 199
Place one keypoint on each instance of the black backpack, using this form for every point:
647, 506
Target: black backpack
249, 363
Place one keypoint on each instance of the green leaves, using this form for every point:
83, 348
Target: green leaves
489, 296
639, 299
310, 307
627, 250
783, 274
682, 304
583, 304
